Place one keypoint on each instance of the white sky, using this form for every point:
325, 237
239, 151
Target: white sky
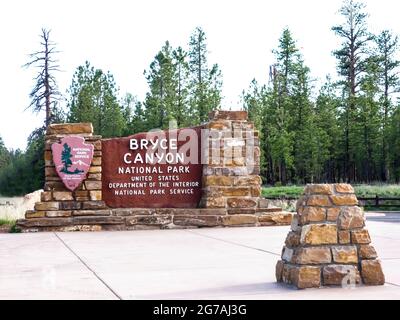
124, 36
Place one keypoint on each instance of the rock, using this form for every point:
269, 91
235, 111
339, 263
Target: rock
95, 195
81, 195
292, 240
351, 218
242, 211
312, 214
279, 219
316, 255
360, 237
58, 214
367, 252
295, 224
228, 115
344, 188
98, 220
69, 128
279, 271
247, 181
46, 196
235, 191
70, 205
50, 172
96, 161
340, 275
94, 176
306, 277
287, 255
345, 254
150, 220
34, 214
319, 234
62, 196
197, 221
213, 202
132, 212
239, 220
45, 222
217, 181
242, 203
286, 273
93, 185
263, 203
344, 237
46, 206
219, 125
371, 273
95, 169
91, 213
325, 189
256, 191
318, 201
344, 200
333, 214
93, 205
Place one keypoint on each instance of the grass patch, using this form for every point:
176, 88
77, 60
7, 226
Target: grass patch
9, 226
5, 222
279, 192
364, 191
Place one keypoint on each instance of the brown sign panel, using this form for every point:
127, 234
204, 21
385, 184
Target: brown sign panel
153, 170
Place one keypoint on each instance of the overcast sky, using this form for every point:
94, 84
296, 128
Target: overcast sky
124, 36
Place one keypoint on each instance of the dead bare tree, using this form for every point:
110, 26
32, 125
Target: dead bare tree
45, 92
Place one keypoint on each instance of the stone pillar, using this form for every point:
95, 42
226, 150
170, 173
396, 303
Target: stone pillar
59, 207
231, 174
328, 243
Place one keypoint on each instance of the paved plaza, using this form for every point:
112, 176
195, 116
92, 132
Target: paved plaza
229, 263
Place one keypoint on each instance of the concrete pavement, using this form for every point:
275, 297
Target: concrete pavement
236, 263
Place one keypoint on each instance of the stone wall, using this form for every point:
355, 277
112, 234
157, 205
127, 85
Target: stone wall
231, 187
59, 207
328, 244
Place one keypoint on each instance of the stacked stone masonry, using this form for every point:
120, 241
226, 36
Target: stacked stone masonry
231, 187
328, 244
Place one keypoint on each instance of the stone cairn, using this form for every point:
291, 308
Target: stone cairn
328, 244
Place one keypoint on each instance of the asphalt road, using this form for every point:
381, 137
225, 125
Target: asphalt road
392, 217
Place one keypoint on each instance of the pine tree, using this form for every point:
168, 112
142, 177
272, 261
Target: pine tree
162, 100
327, 133
394, 142
387, 46
367, 127
205, 83
280, 105
351, 65
181, 110
4, 154
93, 98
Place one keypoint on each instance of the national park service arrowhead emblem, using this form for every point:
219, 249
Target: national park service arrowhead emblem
72, 159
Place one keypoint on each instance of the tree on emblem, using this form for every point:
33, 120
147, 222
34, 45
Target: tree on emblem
66, 156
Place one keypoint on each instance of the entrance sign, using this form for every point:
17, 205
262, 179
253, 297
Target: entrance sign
72, 158
205, 176
159, 169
